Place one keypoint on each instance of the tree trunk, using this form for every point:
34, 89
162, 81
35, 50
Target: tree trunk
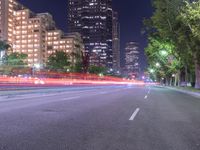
167, 81
175, 80
197, 75
179, 78
171, 81
186, 75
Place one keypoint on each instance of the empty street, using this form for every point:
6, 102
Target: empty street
99, 118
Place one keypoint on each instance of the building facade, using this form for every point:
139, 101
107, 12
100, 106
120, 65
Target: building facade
7, 12
34, 34
93, 20
116, 42
70, 43
29, 35
132, 53
6, 19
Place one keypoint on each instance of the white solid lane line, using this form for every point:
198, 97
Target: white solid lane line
134, 114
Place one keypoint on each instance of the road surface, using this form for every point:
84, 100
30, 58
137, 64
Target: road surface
99, 118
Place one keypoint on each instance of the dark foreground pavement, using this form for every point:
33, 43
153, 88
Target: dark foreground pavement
104, 118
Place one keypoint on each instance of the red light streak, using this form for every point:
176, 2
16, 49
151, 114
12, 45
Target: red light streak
52, 78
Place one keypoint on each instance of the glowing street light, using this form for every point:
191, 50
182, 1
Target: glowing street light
152, 70
101, 74
157, 65
68, 70
163, 53
37, 66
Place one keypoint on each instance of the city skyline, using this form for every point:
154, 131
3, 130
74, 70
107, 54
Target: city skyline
131, 21
99, 75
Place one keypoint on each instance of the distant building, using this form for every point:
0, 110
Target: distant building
70, 43
132, 59
93, 20
34, 34
116, 42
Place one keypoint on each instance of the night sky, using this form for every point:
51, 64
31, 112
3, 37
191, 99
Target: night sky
131, 15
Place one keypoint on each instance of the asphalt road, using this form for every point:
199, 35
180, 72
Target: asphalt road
99, 118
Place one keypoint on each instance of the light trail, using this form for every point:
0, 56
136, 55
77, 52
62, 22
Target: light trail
66, 79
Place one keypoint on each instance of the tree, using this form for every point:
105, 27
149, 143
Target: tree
97, 69
77, 64
3, 47
178, 21
190, 18
85, 61
59, 61
16, 60
162, 57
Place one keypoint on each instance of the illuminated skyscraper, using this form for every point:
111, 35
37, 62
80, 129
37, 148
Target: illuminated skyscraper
132, 58
116, 42
93, 20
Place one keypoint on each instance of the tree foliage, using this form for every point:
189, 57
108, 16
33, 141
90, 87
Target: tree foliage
162, 57
97, 69
16, 59
59, 61
13, 61
178, 21
3, 46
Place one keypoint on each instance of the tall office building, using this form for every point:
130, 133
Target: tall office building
93, 20
132, 59
116, 42
34, 34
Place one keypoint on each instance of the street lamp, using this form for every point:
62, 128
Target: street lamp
152, 70
101, 74
163, 53
157, 65
37, 66
68, 70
